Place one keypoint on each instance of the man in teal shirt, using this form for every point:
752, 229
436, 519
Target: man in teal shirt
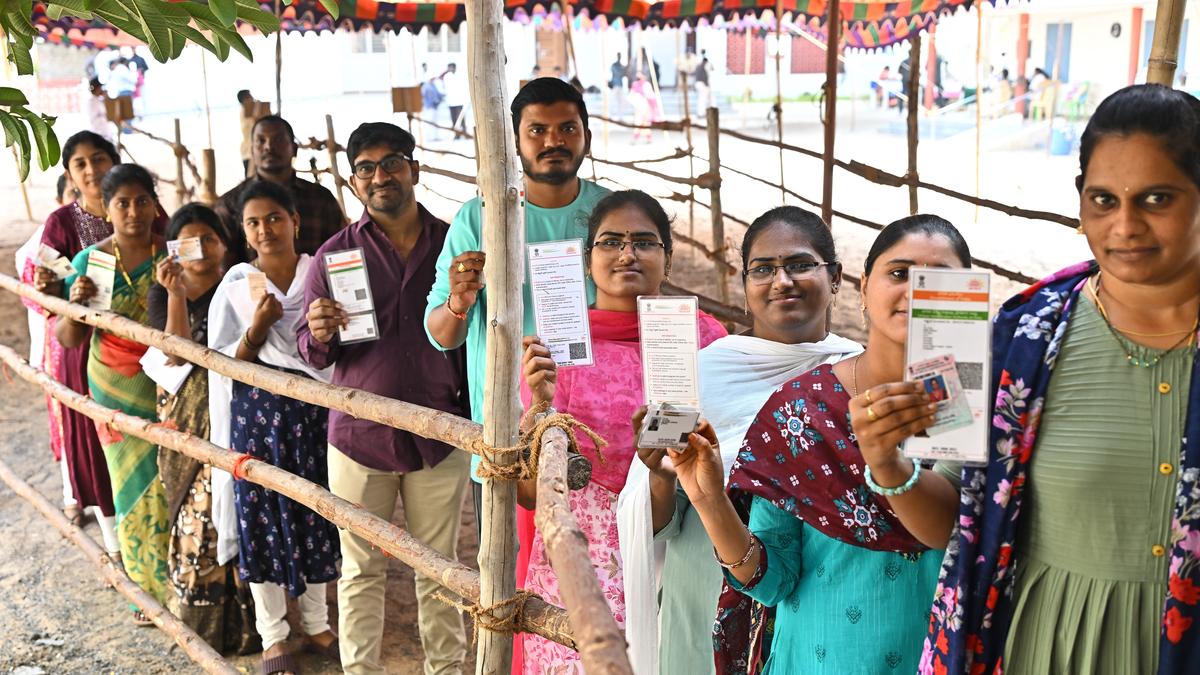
551, 124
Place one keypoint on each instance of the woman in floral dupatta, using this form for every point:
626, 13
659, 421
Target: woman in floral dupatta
1077, 547
850, 586
115, 377
628, 254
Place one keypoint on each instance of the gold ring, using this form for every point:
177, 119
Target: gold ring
462, 267
871, 414
867, 395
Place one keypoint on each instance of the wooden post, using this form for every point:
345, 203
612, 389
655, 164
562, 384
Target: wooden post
833, 25
207, 107
714, 196
931, 69
278, 64
1135, 43
180, 188
504, 244
1022, 87
749, 52
912, 89
1164, 47
332, 147
779, 94
209, 166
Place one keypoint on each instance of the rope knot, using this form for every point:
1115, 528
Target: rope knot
529, 448
495, 618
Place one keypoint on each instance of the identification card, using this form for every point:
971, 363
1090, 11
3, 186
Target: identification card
667, 426
102, 270
184, 250
670, 338
350, 287
256, 282
55, 262
949, 323
560, 300
169, 377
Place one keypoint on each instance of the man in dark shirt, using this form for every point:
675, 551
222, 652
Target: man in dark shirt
369, 463
273, 146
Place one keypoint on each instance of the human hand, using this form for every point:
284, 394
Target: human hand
324, 318
883, 417
82, 290
268, 311
169, 274
698, 466
466, 280
541, 373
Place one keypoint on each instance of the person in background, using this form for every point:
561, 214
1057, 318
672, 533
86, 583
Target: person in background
115, 377
97, 112
628, 255
457, 94
701, 76
122, 81
370, 463
273, 148
247, 117
803, 527
880, 88
669, 629
1074, 549
431, 100
283, 548
618, 73
206, 595
646, 109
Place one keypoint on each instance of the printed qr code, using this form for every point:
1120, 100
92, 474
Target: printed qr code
577, 350
360, 294
970, 374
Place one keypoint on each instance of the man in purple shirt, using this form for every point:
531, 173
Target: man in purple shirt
369, 463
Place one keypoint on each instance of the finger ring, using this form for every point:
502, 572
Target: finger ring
867, 395
462, 268
871, 414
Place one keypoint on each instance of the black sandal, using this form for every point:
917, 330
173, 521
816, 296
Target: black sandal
74, 514
279, 665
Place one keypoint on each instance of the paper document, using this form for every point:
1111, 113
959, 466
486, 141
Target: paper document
257, 283
560, 306
170, 378
351, 288
184, 250
102, 270
54, 261
949, 323
670, 337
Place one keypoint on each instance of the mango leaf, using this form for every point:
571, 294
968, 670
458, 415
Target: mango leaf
21, 55
56, 9
14, 129
224, 10
41, 136
249, 12
153, 28
331, 6
10, 96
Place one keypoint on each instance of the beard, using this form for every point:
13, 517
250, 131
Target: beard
394, 202
554, 176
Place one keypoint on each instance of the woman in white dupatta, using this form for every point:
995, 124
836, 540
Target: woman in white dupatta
282, 547
791, 275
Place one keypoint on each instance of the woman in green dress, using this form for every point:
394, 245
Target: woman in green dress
1062, 549
115, 377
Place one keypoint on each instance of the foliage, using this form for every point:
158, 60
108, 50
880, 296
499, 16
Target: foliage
165, 26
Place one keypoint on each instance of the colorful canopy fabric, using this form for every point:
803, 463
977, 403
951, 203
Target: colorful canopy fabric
74, 32
308, 15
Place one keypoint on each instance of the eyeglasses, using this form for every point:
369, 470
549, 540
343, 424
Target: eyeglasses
765, 274
391, 164
617, 245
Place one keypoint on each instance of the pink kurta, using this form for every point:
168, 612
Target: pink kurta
604, 397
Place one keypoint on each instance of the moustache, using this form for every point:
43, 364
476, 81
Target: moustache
558, 152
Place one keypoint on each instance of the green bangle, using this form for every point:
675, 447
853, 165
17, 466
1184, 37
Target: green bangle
893, 491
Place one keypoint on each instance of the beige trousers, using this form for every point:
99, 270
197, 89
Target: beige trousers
432, 501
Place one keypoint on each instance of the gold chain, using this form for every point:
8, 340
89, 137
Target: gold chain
125, 274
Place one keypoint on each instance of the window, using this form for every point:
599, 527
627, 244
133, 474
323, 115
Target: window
735, 58
444, 40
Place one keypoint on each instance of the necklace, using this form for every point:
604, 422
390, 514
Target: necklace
854, 376
125, 274
1130, 358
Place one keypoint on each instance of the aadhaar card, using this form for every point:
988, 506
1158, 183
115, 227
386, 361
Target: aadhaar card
670, 337
560, 306
949, 323
184, 250
350, 287
102, 270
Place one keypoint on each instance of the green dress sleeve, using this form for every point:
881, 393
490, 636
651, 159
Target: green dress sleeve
781, 534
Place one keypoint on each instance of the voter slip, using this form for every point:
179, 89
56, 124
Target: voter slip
55, 262
256, 282
184, 250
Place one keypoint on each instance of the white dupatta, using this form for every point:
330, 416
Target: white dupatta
229, 315
737, 375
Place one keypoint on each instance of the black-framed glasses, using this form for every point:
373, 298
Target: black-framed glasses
765, 274
391, 164
617, 245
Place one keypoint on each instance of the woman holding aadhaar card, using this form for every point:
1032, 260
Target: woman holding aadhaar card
850, 586
283, 548
628, 254
1076, 549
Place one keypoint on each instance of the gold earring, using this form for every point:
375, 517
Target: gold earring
1079, 230
862, 310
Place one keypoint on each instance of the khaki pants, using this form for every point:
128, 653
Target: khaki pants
432, 510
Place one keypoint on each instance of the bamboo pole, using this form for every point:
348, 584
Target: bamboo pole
833, 24
180, 187
192, 644
779, 93
601, 643
208, 161
207, 106
1164, 48
912, 92
332, 146
503, 243
278, 63
541, 618
714, 192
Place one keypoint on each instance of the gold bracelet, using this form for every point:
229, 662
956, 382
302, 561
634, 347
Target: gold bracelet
755, 544
250, 345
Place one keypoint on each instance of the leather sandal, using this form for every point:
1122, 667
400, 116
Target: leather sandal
279, 665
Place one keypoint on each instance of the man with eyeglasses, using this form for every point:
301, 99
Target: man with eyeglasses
273, 149
369, 463
551, 125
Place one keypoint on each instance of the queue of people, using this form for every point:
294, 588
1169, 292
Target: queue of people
790, 535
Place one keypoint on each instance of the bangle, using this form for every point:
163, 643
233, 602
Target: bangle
893, 491
755, 544
250, 345
461, 316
